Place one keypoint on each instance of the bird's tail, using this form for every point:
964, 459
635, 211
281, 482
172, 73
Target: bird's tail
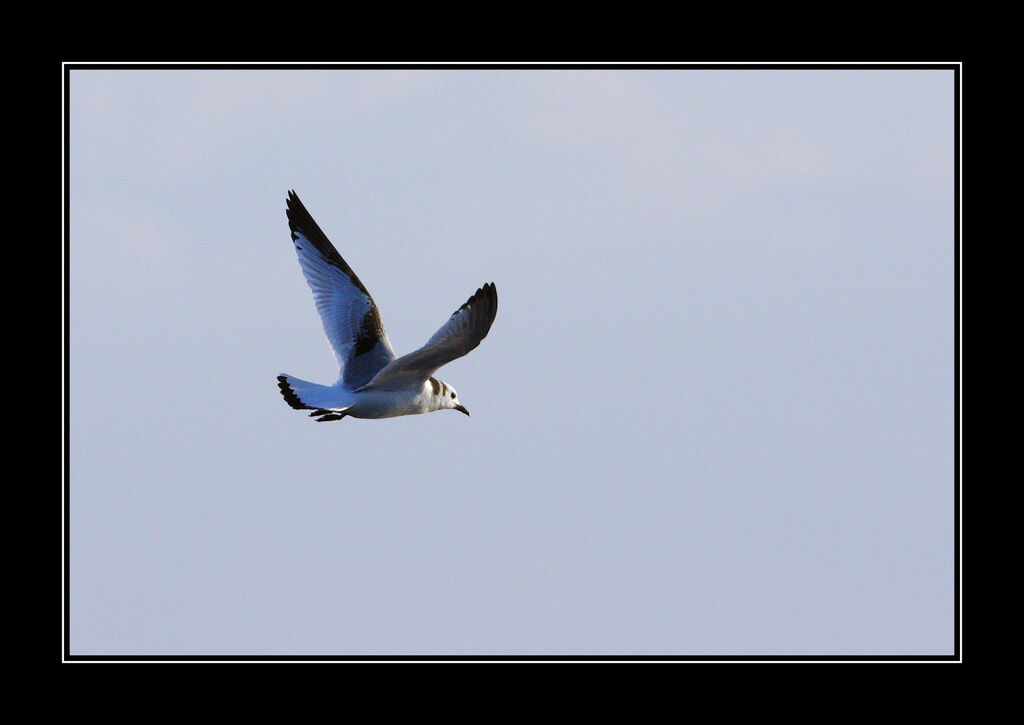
327, 401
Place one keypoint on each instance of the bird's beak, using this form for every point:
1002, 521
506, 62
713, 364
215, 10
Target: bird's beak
461, 409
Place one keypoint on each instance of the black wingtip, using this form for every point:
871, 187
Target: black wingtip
298, 217
300, 221
487, 294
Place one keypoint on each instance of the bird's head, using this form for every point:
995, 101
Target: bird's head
450, 399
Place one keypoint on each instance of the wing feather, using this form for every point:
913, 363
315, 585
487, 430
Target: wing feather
462, 333
349, 315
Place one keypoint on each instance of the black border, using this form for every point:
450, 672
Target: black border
405, 64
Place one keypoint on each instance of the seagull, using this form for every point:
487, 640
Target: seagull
372, 382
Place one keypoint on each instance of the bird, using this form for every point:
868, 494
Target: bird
372, 382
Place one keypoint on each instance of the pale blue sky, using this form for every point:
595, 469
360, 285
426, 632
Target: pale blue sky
714, 414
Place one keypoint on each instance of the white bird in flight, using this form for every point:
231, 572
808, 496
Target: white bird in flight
372, 382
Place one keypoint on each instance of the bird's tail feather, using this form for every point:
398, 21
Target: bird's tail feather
327, 401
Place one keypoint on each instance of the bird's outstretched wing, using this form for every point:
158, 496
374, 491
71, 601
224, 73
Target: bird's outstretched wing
350, 317
464, 330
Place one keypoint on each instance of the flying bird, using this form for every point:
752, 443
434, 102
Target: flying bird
372, 382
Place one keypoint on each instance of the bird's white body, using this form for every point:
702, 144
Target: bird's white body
372, 402
373, 383
391, 403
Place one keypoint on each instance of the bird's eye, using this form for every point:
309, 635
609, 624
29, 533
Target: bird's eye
453, 396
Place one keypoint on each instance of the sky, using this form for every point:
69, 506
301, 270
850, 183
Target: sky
714, 415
